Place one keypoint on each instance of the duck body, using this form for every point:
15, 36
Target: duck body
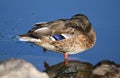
70, 36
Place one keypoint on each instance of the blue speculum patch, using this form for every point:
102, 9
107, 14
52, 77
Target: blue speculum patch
58, 37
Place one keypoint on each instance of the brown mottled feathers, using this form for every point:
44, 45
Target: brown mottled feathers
68, 26
77, 32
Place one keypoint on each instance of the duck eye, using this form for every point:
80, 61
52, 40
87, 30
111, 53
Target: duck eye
58, 37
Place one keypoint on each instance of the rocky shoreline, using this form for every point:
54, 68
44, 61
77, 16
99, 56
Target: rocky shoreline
18, 68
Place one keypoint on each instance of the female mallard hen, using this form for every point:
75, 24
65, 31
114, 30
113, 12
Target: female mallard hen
67, 36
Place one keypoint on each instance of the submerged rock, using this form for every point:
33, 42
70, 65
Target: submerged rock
16, 68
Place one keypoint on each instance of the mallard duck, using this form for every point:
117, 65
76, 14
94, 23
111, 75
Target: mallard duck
67, 36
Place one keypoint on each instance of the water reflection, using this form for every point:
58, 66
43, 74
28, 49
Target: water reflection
74, 69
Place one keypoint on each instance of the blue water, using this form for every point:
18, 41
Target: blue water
18, 16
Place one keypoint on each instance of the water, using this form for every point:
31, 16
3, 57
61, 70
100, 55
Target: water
17, 17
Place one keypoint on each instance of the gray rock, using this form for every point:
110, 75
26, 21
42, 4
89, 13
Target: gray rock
16, 68
106, 69
77, 69
74, 69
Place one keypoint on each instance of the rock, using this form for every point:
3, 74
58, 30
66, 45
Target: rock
74, 69
77, 69
16, 68
106, 69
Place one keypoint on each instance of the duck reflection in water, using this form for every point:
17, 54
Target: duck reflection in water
66, 36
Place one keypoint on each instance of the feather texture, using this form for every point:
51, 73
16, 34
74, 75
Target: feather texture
72, 35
